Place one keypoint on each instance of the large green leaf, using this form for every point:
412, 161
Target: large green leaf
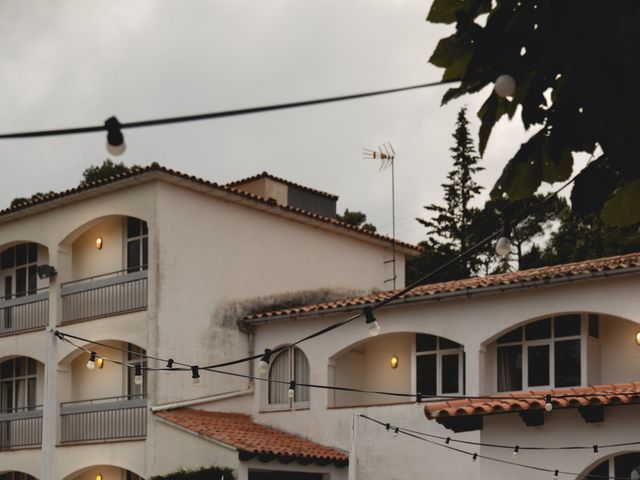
523, 174
559, 169
490, 112
452, 53
623, 208
446, 11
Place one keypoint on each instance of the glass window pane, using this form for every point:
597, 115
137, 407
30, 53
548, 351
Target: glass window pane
513, 336
21, 366
445, 344
133, 227
32, 252
6, 369
21, 393
301, 375
21, 254
31, 366
145, 228
425, 342
538, 365
32, 280
567, 363
6, 259
6, 396
133, 255
594, 324
566, 325
623, 465
145, 251
600, 472
8, 287
31, 392
279, 371
510, 368
21, 281
450, 373
538, 330
426, 374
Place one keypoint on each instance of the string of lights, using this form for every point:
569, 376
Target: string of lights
475, 455
115, 138
196, 369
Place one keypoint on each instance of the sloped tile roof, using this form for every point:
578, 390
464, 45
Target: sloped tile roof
407, 248
281, 180
612, 394
240, 431
470, 285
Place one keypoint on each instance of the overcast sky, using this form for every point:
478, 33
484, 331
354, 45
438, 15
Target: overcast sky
76, 63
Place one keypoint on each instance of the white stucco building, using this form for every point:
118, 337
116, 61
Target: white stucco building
203, 274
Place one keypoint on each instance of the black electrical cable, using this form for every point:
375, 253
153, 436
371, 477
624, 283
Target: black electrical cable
475, 455
225, 113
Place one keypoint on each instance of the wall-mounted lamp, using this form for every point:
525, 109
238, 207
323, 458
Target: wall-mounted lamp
98, 477
99, 243
99, 362
638, 338
394, 362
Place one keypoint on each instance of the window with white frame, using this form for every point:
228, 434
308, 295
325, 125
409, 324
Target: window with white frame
137, 244
18, 269
544, 353
18, 384
439, 366
289, 365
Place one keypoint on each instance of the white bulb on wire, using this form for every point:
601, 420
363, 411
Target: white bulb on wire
263, 367
503, 246
137, 378
292, 389
505, 86
91, 364
374, 328
195, 374
555, 475
516, 450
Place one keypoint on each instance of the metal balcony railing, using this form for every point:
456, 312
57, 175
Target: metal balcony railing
21, 428
104, 295
22, 312
104, 419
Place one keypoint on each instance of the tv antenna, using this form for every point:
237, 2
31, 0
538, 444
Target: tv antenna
387, 156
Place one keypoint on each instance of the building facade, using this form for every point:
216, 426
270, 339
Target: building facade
150, 263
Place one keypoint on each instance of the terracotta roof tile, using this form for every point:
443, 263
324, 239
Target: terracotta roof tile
469, 285
154, 167
240, 431
613, 394
281, 180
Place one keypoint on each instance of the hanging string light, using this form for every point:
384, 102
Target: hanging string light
372, 324
137, 377
91, 363
292, 389
195, 374
263, 364
505, 86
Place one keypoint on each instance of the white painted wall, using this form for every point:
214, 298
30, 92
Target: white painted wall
88, 261
108, 381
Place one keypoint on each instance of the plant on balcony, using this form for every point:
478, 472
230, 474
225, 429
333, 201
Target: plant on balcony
203, 473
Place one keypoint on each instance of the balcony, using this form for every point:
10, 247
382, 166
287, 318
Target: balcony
21, 428
113, 293
24, 313
104, 419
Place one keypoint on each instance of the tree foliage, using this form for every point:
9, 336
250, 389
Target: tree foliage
576, 73
106, 170
357, 219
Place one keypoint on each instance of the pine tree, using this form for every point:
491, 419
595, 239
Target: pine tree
450, 226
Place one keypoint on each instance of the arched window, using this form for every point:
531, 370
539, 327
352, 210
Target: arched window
284, 368
18, 384
546, 353
16, 476
18, 266
622, 466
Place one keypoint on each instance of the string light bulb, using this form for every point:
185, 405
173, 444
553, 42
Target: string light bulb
115, 139
595, 450
556, 473
91, 363
419, 399
372, 323
137, 377
475, 457
195, 374
292, 389
548, 406
395, 431
516, 450
505, 86
263, 364
503, 246
170, 363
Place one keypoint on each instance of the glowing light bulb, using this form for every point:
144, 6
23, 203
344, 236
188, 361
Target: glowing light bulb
505, 86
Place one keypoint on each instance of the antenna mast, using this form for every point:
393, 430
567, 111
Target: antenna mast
387, 155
